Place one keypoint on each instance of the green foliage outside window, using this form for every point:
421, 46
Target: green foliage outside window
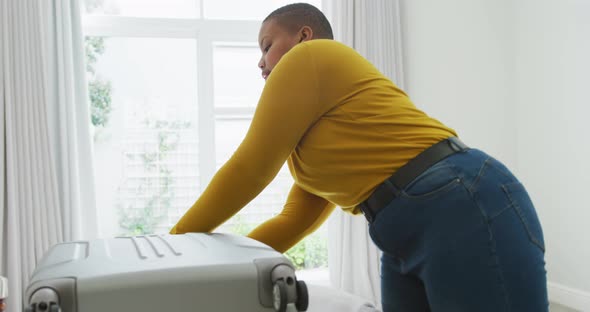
143, 217
307, 254
99, 90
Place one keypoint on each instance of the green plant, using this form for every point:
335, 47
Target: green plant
143, 218
297, 255
139, 221
312, 252
99, 90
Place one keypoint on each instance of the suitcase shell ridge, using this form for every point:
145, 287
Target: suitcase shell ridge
216, 272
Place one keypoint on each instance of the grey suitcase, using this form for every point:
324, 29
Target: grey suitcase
190, 272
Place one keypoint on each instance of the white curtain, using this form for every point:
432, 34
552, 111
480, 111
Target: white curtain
46, 195
372, 27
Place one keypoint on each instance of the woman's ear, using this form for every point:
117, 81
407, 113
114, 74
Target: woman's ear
305, 33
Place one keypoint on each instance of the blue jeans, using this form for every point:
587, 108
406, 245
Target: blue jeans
463, 236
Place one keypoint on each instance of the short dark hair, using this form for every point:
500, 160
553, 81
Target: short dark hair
296, 15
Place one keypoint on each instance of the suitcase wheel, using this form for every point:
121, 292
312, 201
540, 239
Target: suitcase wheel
43, 307
302, 296
279, 294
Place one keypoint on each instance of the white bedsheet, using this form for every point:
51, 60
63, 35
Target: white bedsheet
329, 299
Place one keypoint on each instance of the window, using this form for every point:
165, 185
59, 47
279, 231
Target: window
173, 87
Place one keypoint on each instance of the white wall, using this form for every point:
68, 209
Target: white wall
458, 68
510, 76
553, 147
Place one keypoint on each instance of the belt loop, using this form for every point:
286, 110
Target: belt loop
456, 145
367, 212
394, 188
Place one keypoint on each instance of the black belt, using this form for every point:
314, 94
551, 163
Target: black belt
384, 194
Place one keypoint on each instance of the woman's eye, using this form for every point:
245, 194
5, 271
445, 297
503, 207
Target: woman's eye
267, 48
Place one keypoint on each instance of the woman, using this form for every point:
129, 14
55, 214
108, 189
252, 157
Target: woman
457, 230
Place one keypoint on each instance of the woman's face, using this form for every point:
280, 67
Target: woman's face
274, 42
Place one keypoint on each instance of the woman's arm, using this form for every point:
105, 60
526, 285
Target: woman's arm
303, 213
288, 106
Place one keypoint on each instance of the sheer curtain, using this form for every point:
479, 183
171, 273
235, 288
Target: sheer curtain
372, 27
46, 194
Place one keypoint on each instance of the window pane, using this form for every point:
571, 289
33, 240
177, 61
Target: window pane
237, 78
144, 8
245, 10
144, 112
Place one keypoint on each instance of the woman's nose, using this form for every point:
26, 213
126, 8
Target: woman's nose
261, 64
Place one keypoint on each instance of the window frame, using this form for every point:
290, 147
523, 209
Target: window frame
207, 34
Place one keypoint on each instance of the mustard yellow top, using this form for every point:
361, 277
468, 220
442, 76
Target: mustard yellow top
342, 127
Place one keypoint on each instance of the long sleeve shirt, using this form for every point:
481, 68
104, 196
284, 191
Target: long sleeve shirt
341, 126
